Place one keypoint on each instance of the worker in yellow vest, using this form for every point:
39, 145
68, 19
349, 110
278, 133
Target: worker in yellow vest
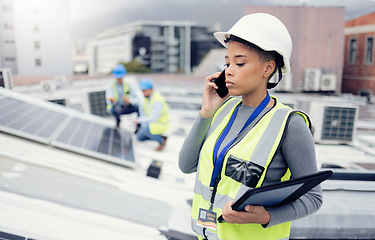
237, 144
154, 119
121, 98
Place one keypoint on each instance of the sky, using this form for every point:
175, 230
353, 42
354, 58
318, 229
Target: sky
83, 9
91, 17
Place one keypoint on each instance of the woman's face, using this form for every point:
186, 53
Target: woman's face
245, 73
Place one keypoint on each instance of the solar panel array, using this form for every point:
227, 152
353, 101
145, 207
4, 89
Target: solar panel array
46, 123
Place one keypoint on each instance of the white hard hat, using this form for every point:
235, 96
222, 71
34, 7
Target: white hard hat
265, 31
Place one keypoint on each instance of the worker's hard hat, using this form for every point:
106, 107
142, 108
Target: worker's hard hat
145, 84
119, 71
265, 31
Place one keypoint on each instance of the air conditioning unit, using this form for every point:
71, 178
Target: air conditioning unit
285, 85
333, 123
312, 79
94, 102
6, 78
48, 85
328, 82
60, 81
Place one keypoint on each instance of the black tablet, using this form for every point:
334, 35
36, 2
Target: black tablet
280, 193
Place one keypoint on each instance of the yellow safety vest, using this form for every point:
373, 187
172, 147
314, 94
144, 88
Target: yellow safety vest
163, 123
256, 146
126, 92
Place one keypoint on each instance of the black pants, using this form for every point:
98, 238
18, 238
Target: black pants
118, 110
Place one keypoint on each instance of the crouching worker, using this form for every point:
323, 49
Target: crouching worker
120, 96
155, 119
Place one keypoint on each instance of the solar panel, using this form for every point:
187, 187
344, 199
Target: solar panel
97, 103
28, 120
60, 127
96, 140
8, 236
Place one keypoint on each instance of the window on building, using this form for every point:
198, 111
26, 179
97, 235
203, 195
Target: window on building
7, 9
161, 31
10, 59
8, 26
38, 62
369, 50
8, 41
177, 31
352, 51
37, 45
36, 27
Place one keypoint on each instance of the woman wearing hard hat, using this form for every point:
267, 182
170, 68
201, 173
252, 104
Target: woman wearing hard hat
241, 143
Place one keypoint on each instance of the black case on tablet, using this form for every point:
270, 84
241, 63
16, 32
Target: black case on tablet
279, 193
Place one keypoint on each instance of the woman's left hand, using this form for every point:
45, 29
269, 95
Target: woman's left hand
252, 214
210, 99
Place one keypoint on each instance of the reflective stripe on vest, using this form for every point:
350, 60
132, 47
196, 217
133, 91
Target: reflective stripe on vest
126, 92
212, 236
257, 144
163, 122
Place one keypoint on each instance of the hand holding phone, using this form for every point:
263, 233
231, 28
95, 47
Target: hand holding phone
222, 90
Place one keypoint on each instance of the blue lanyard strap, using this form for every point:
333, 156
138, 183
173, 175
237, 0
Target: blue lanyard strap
218, 160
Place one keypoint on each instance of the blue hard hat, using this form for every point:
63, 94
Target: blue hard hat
119, 71
145, 84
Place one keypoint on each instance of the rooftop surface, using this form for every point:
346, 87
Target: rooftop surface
53, 193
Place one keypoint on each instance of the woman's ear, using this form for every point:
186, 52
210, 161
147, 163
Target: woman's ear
270, 68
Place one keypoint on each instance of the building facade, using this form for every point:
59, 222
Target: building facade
7, 36
164, 46
318, 42
35, 37
359, 71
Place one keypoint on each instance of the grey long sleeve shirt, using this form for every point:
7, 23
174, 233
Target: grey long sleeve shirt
297, 153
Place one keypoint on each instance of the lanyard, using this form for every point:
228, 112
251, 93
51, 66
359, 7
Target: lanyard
218, 160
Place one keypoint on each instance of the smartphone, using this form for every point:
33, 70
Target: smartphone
222, 90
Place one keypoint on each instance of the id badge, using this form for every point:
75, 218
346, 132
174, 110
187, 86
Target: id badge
207, 219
